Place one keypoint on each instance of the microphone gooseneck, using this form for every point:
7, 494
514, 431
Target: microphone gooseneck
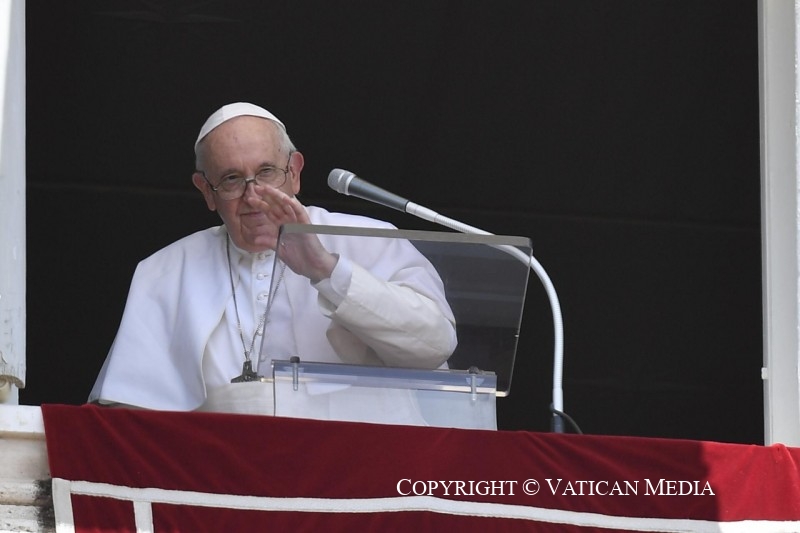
345, 182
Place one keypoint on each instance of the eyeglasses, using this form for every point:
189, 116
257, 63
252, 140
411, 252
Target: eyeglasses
232, 186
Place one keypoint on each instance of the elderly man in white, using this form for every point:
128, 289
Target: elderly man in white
199, 309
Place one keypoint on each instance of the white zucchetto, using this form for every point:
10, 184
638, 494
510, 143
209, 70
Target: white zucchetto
229, 111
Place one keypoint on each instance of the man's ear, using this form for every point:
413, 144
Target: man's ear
296, 163
203, 186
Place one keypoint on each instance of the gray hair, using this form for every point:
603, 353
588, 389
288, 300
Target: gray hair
285, 144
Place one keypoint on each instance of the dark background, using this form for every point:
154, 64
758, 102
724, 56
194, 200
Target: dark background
621, 136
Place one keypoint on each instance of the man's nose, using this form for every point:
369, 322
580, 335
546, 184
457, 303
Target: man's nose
248, 190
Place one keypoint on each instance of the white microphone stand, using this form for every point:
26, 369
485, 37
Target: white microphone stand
345, 182
558, 325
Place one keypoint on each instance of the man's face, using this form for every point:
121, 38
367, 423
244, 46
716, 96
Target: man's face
242, 147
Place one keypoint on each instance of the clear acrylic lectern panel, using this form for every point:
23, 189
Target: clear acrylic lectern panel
484, 287
386, 395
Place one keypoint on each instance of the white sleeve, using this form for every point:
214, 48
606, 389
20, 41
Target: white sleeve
334, 289
402, 326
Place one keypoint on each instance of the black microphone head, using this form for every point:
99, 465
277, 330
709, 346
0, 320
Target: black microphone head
339, 179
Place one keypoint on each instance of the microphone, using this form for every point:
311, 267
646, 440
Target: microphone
345, 182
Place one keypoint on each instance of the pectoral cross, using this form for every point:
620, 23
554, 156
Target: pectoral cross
247, 373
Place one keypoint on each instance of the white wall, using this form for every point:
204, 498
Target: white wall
12, 199
778, 27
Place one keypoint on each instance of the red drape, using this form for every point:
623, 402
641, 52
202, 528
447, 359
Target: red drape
215, 472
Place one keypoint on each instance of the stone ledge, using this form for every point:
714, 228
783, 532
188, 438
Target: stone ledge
26, 501
21, 421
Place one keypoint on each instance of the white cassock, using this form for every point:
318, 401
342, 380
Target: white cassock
178, 343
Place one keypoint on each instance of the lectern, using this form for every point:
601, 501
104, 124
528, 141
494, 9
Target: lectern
485, 288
